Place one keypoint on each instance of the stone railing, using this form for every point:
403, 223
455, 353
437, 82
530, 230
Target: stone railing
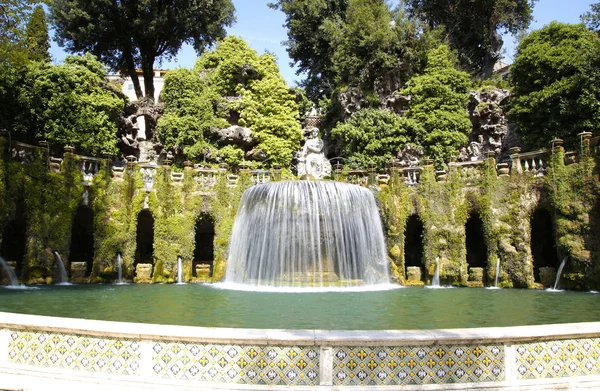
530, 163
38, 352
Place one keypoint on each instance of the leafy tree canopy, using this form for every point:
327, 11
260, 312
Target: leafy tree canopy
13, 18
438, 100
257, 98
556, 84
37, 39
128, 35
68, 104
472, 26
353, 42
372, 137
592, 18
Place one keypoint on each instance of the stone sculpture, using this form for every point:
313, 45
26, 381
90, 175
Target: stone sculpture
312, 163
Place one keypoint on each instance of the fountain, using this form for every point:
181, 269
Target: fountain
435, 281
307, 234
12, 278
119, 269
61, 269
497, 273
560, 269
179, 271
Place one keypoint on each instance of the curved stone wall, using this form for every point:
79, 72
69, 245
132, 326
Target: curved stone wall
38, 352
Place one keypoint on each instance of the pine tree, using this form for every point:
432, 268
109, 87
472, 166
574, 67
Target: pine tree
37, 38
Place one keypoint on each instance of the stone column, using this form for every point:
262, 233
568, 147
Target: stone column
276, 172
515, 157
585, 138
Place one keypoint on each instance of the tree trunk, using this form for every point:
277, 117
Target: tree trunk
493, 55
133, 74
148, 73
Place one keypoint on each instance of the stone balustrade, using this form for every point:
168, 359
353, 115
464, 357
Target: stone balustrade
530, 163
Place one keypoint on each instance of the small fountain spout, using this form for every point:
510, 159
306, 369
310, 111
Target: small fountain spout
12, 278
558, 274
119, 269
61, 268
179, 271
497, 273
436, 276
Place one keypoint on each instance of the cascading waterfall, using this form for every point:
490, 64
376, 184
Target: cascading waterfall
61, 269
558, 274
12, 277
435, 282
307, 234
179, 271
119, 269
497, 273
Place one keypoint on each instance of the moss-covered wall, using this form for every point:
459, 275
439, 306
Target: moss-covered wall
50, 203
505, 204
116, 205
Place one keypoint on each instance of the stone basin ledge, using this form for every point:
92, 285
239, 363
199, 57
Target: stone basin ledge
41, 353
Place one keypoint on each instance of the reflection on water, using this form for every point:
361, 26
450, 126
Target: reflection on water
204, 305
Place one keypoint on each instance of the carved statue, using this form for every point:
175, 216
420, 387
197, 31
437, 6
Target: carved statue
311, 160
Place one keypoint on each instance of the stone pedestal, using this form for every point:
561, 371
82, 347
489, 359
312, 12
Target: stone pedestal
78, 270
203, 271
476, 274
413, 273
548, 276
143, 273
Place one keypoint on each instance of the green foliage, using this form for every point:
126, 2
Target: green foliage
371, 138
592, 18
438, 100
13, 18
189, 114
131, 35
116, 205
67, 104
472, 27
173, 228
37, 39
195, 106
337, 43
50, 203
556, 84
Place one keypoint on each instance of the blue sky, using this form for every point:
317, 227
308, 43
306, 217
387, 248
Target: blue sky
263, 28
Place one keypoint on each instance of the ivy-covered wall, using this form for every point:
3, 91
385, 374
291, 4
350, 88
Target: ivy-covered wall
505, 204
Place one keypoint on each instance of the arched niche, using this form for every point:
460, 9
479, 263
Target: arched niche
14, 239
204, 247
82, 239
413, 245
543, 242
144, 238
475, 241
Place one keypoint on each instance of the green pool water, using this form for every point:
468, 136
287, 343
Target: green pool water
403, 308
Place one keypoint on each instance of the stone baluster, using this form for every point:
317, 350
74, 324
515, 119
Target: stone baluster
515, 157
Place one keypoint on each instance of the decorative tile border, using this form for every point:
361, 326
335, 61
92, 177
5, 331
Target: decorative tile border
553, 359
240, 364
74, 352
435, 364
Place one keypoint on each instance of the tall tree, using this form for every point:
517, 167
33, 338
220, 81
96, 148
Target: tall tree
13, 17
592, 18
473, 26
556, 84
37, 39
127, 34
309, 42
438, 100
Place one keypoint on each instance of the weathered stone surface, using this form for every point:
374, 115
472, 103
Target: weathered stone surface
351, 100
78, 270
476, 274
203, 272
256, 154
236, 135
547, 276
413, 273
143, 273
